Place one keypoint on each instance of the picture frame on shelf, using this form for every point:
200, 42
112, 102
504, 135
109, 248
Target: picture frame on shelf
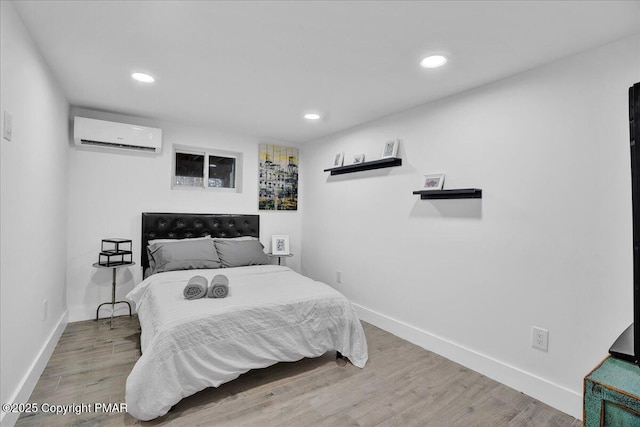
390, 149
433, 182
358, 158
338, 160
280, 244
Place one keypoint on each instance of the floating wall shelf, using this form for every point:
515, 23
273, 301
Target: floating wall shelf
365, 166
462, 193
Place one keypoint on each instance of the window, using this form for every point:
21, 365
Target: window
222, 171
194, 167
189, 170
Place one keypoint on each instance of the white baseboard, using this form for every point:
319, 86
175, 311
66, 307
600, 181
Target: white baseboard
30, 379
557, 396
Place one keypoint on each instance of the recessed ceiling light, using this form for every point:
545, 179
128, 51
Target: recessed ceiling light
312, 116
433, 61
142, 77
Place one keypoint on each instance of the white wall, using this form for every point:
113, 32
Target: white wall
549, 244
109, 191
33, 211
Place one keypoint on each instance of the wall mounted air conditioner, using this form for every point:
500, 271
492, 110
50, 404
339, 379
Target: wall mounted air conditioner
116, 136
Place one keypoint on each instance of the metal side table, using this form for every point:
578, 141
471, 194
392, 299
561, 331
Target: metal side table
270, 255
113, 301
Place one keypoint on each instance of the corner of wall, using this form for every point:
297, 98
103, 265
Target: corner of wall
30, 379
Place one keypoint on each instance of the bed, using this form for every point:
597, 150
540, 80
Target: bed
272, 314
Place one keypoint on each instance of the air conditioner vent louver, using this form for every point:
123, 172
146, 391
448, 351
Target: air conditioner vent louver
112, 136
115, 145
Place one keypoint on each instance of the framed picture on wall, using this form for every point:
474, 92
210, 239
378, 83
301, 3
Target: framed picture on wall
433, 182
358, 158
390, 149
280, 244
278, 171
338, 160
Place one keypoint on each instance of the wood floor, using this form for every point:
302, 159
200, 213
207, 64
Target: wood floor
402, 385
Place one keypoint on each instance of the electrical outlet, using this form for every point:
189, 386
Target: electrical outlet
539, 338
44, 310
338, 276
7, 126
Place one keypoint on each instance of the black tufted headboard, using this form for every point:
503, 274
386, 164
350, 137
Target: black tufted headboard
185, 225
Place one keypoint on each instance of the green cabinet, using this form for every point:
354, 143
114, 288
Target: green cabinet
612, 395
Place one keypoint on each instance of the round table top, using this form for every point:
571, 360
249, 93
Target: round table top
129, 264
270, 254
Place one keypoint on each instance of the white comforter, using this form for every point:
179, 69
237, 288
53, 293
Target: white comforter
272, 314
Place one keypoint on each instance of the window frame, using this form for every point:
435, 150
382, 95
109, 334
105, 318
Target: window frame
207, 152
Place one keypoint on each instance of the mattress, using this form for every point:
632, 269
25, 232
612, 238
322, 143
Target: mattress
272, 314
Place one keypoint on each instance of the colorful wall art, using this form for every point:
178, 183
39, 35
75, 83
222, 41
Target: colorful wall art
278, 178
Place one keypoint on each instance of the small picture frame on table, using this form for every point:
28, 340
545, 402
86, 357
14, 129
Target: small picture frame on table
358, 158
280, 244
433, 182
338, 160
390, 149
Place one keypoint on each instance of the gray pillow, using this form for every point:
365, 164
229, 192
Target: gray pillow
183, 255
150, 243
238, 239
187, 239
238, 253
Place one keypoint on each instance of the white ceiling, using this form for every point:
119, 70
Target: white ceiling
256, 67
